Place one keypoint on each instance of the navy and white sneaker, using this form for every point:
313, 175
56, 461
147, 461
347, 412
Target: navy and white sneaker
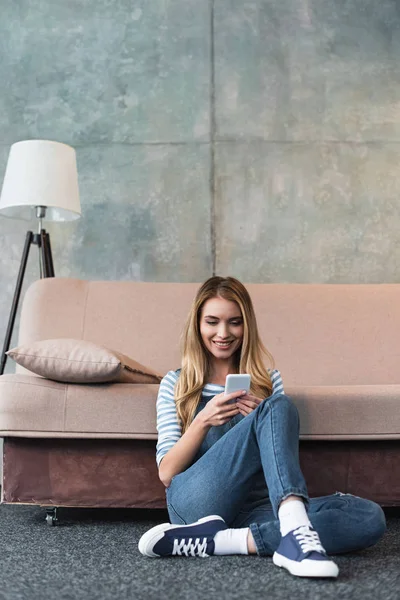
302, 554
196, 539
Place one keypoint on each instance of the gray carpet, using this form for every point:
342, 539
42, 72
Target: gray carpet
93, 554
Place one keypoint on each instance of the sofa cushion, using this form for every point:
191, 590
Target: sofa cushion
348, 411
34, 407
31, 406
78, 361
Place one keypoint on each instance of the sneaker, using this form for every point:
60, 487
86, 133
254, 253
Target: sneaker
196, 539
302, 554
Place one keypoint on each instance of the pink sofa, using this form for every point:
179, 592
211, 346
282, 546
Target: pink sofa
337, 347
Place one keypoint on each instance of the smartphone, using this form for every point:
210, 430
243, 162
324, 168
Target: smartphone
237, 382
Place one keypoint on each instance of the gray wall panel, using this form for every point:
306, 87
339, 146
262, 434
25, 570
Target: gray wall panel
105, 71
308, 212
147, 215
292, 70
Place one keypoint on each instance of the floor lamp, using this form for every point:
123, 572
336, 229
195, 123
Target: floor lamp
41, 178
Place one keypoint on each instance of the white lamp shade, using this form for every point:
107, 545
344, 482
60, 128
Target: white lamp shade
41, 173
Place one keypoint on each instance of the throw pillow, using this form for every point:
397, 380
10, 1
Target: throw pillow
78, 361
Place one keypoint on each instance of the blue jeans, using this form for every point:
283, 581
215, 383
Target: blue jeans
244, 469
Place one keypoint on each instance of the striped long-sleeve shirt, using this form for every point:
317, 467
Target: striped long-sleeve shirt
168, 427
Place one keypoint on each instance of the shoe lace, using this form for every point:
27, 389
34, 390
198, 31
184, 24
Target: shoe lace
309, 540
190, 547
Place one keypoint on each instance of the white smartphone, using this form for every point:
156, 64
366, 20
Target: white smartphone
237, 382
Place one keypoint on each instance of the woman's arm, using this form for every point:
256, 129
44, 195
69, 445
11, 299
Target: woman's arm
218, 411
175, 452
183, 452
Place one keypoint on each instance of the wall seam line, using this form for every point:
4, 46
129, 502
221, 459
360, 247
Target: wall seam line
212, 139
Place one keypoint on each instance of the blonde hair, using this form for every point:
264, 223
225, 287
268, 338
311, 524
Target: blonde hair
196, 359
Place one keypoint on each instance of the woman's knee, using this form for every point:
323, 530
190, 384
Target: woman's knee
370, 518
375, 521
280, 402
347, 523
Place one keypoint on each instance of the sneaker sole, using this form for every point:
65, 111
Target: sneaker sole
151, 537
306, 568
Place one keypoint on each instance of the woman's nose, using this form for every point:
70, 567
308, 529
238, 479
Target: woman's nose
223, 330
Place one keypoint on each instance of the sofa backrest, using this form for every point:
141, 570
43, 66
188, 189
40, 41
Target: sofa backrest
319, 334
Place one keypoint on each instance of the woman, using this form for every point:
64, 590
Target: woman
230, 463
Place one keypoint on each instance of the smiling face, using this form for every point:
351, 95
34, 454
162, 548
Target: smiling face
221, 327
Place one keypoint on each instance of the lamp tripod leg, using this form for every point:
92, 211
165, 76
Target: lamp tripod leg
48, 256
42, 256
45, 255
14, 306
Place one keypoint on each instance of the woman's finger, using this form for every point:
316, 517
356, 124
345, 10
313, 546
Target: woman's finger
231, 411
253, 398
244, 408
249, 403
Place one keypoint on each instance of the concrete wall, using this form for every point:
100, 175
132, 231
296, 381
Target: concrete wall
258, 138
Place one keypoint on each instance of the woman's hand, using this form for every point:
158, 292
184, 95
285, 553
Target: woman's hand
246, 404
220, 409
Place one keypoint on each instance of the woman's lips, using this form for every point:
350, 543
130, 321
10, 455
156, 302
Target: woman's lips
223, 346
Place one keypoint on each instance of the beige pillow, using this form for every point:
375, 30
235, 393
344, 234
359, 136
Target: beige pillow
78, 361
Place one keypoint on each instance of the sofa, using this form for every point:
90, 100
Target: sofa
93, 445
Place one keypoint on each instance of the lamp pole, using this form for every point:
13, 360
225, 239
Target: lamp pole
42, 240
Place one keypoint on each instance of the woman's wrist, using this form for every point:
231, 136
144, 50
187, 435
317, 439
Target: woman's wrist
201, 421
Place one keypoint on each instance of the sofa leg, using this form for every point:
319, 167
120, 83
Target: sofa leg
51, 517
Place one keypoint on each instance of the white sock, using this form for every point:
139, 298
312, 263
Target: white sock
231, 541
291, 515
